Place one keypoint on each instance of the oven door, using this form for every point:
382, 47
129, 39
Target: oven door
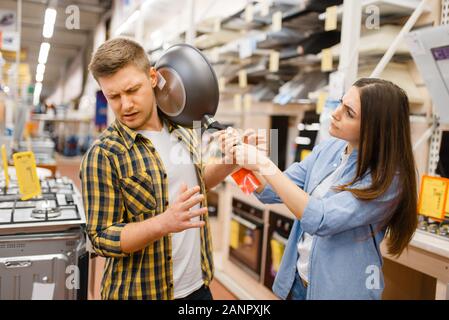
42, 266
246, 243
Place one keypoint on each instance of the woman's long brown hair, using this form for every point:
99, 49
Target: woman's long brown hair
385, 150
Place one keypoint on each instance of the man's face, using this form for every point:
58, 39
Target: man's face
129, 93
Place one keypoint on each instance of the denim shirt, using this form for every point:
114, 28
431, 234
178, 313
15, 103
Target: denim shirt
345, 258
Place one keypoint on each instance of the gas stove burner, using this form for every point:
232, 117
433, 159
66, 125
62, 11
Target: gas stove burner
43, 213
44, 209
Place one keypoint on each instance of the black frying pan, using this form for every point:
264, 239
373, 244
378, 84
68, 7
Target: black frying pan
187, 93
187, 89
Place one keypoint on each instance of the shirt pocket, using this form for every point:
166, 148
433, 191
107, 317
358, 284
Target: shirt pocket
139, 196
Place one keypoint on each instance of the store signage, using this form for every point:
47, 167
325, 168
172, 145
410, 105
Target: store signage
7, 20
26, 172
9, 40
433, 197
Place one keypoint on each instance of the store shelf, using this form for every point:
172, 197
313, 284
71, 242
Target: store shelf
399, 8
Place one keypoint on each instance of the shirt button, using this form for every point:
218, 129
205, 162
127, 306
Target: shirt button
335, 164
166, 203
165, 175
151, 149
171, 285
169, 258
179, 138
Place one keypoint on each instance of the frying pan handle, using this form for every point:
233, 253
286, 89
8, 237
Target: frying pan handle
210, 123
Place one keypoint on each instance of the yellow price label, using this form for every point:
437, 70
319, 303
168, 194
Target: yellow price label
235, 234
304, 154
5, 165
331, 19
264, 8
274, 61
243, 79
447, 204
321, 102
237, 102
29, 184
221, 83
432, 197
277, 250
326, 60
247, 101
276, 24
249, 13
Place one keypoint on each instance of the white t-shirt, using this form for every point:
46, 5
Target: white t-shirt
305, 243
186, 245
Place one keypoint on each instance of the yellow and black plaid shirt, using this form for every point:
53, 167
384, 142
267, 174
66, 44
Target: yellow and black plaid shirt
123, 181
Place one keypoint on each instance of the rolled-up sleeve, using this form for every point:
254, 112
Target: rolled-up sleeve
343, 211
102, 203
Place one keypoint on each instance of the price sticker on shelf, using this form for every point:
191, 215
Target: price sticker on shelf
235, 233
5, 165
274, 61
221, 83
331, 19
243, 79
321, 102
276, 24
264, 8
237, 102
326, 60
247, 101
433, 197
26, 172
249, 13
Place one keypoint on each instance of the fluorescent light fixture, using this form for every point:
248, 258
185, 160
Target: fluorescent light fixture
43, 52
127, 23
49, 22
50, 16
40, 68
37, 93
39, 77
47, 32
6, 89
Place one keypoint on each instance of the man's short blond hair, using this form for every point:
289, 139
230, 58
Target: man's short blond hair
116, 54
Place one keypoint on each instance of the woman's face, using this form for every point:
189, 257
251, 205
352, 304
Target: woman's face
345, 122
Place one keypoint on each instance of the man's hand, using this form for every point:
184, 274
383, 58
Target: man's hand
251, 158
259, 140
177, 217
230, 138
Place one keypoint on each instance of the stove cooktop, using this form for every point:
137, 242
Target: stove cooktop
58, 207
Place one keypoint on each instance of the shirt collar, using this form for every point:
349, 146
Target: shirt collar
129, 135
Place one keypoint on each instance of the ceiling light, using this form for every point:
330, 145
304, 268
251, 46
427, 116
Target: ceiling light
49, 23
50, 16
40, 68
43, 52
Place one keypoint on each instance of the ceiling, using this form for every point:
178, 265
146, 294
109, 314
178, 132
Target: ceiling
65, 43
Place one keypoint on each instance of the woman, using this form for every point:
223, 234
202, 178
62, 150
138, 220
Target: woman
349, 193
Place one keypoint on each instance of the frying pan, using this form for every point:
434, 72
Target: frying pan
187, 92
187, 88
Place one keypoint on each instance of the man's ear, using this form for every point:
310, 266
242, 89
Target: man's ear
153, 77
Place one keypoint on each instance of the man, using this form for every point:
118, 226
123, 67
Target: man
143, 188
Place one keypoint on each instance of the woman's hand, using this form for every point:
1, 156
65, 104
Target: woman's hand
251, 158
259, 140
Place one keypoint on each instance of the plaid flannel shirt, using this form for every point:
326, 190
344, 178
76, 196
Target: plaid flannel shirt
123, 181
